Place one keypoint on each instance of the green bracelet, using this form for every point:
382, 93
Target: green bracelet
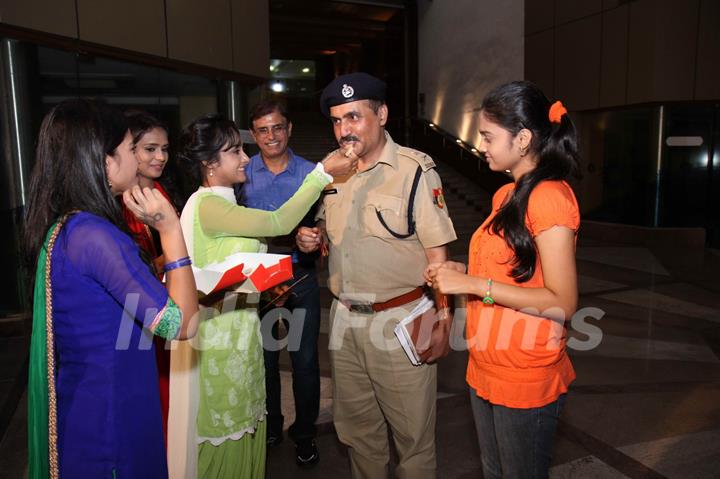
487, 299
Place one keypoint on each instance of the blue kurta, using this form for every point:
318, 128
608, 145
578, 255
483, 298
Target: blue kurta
109, 420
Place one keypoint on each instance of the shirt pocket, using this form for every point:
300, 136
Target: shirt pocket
391, 209
334, 220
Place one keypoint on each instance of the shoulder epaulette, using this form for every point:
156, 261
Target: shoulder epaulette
419, 157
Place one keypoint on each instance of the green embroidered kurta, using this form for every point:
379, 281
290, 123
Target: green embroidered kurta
232, 376
231, 370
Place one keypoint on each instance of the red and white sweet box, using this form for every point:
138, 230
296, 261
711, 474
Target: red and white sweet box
252, 272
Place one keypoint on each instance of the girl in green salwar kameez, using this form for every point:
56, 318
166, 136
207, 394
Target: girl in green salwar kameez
217, 383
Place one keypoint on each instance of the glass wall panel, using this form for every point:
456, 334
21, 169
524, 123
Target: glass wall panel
619, 158
685, 198
55, 75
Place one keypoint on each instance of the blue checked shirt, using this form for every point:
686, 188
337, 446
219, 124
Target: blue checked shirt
265, 191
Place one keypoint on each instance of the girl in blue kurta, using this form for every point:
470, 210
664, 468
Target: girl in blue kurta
94, 408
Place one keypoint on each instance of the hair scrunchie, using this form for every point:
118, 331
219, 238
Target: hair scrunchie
557, 110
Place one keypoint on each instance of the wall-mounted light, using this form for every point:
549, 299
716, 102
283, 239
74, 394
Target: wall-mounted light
432, 125
474, 150
458, 141
306, 70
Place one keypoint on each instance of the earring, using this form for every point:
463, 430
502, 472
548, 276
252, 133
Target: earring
523, 152
110, 184
211, 173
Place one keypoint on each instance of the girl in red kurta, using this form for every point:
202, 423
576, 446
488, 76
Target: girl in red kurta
150, 137
521, 282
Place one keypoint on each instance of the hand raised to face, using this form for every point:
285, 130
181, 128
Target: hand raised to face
151, 207
341, 162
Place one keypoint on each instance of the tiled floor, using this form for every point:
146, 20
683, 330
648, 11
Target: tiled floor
647, 399
646, 403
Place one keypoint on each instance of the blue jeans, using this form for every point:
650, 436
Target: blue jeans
515, 443
306, 371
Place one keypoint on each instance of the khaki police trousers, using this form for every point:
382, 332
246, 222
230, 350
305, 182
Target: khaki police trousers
375, 385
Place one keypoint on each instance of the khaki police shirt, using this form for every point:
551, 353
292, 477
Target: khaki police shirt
367, 263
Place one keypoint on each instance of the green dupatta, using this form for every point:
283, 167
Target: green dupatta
42, 424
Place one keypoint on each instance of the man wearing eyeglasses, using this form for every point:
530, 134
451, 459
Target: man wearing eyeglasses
273, 176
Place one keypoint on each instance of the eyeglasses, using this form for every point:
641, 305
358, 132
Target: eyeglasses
264, 130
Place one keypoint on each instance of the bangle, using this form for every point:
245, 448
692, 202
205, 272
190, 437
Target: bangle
177, 264
487, 299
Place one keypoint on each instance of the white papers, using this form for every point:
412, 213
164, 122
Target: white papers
404, 336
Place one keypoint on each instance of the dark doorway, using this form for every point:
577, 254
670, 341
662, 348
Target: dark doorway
690, 173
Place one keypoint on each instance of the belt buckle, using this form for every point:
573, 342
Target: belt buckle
362, 308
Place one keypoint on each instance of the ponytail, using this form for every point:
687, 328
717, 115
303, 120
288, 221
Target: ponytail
522, 105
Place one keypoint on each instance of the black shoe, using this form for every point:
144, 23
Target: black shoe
306, 453
273, 440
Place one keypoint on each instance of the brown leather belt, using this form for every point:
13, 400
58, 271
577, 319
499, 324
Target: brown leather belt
369, 308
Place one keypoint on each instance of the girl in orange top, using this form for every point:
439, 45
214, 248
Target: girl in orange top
521, 282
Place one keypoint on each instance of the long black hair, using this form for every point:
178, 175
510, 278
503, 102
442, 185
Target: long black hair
70, 171
522, 105
202, 141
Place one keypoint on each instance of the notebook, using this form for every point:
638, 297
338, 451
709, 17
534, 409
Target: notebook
414, 330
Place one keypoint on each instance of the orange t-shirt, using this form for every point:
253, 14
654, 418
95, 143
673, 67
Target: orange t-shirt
517, 359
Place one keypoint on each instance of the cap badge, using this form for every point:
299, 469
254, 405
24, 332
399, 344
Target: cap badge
347, 91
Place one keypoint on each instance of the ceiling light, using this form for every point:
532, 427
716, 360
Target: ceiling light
278, 87
306, 70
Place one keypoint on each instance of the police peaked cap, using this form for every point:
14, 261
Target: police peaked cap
351, 87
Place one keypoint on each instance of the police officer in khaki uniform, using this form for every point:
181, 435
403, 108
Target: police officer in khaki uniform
383, 225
